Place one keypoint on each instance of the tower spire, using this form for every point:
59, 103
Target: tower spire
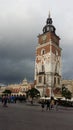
49, 27
49, 14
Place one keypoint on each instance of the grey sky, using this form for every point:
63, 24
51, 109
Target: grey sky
20, 23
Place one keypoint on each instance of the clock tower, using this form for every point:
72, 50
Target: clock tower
48, 60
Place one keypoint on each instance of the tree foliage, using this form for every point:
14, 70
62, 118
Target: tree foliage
33, 92
7, 91
66, 93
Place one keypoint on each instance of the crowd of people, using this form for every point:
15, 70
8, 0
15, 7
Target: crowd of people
12, 99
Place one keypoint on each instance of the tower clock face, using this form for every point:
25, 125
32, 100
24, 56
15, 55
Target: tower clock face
44, 37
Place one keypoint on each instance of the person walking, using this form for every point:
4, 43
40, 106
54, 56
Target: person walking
42, 105
52, 104
56, 106
5, 101
47, 105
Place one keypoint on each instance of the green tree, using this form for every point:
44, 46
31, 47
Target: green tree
7, 91
33, 92
66, 93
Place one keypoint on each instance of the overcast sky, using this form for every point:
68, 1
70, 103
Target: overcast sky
20, 23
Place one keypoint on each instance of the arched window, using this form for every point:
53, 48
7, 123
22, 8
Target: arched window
43, 51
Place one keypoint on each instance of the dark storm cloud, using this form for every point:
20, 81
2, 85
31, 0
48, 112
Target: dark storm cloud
17, 49
20, 24
67, 61
17, 59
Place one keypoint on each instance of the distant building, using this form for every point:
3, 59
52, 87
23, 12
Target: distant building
25, 86
17, 88
2, 88
48, 60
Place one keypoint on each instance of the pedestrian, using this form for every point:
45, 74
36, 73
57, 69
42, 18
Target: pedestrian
52, 104
5, 101
56, 106
47, 105
42, 105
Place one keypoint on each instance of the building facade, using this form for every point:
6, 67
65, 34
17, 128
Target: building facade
17, 89
48, 60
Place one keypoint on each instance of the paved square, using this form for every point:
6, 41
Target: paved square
20, 116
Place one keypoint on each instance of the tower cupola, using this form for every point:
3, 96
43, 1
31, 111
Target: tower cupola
49, 27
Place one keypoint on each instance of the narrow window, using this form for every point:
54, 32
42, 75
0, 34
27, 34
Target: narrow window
42, 68
54, 80
58, 81
40, 79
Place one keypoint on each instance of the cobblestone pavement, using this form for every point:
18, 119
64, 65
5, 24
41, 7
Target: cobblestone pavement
20, 116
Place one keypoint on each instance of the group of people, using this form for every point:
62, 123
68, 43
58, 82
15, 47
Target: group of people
12, 99
7, 98
50, 104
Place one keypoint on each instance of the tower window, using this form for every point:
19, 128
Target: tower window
40, 79
54, 80
47, 28
42, 68
56, 53
43, 51
44, 30
44, 80
58, 81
